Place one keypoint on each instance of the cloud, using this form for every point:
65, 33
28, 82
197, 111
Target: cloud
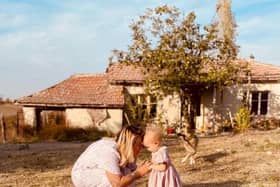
9, 21
45, 41
246, 26
264, 52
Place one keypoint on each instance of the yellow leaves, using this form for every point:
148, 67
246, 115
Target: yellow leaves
177, 53
166, 10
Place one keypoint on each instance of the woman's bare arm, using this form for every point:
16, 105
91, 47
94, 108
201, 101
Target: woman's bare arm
121, 181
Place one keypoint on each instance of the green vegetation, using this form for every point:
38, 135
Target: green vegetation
178, 56
54, 130
242, 119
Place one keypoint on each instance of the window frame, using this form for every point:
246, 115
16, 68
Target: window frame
257, 102
147, 104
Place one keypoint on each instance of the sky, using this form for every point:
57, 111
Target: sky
43, 42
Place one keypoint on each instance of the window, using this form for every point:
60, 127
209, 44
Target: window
259, 103
255, 103
194, 108
144, 106
197, 103
264, 101
152, 105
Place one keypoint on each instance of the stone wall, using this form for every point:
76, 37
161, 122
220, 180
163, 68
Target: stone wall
103, 119
29, 116
229, 101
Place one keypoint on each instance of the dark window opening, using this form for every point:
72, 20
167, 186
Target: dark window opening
153, 107
255, 103
264, 102
196, 105
259, 103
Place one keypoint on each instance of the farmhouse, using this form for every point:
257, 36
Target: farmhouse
100, 100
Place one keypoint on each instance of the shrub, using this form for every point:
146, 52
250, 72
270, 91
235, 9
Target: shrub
242, 119
27, 131
226, 126
62, 133
266, 123
91, 134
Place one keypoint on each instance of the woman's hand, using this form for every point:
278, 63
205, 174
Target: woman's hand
120, 181
144, 168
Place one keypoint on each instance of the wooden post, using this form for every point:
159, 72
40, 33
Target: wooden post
213, 112
17, 124
3, 128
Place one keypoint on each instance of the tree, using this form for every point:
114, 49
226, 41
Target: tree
226, 23
178, 56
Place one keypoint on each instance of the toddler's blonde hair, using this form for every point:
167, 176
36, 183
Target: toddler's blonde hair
157, 132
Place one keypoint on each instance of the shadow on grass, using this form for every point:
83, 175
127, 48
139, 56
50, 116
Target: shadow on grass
40, 156
222, 184
213, 157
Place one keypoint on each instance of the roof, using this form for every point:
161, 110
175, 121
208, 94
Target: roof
123, 73
102, 90
261, 71
88, 90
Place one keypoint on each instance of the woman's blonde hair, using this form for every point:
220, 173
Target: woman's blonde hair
125, 142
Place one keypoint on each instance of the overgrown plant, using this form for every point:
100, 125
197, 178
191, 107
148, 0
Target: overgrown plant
242, 119
135, 113
180, 57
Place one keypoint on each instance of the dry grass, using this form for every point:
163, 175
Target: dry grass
249, 159
55, 129
9, 109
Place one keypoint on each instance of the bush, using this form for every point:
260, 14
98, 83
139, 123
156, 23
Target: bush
226, 126
242, 119
70, 134
266, 123
62, 133
58, 133
10, 127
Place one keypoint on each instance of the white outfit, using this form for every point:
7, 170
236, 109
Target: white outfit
90, 168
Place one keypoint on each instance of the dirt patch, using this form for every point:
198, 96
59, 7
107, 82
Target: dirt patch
249, 159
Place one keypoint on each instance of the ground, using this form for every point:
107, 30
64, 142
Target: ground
249, 159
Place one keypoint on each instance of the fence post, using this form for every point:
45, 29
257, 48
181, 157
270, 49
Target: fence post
3, 128
17, 125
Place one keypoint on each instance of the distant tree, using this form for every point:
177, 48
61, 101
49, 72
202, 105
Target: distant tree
225, 23
8, 100
178, 56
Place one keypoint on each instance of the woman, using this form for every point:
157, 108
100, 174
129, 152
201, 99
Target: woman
109, 162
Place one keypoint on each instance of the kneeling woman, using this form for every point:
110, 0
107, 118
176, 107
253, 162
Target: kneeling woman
109, 162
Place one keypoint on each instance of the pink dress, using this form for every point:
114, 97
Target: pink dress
167, 178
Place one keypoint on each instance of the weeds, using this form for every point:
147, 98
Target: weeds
243, 119
62, 133
55, 130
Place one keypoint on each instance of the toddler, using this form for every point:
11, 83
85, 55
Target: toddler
163, 173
